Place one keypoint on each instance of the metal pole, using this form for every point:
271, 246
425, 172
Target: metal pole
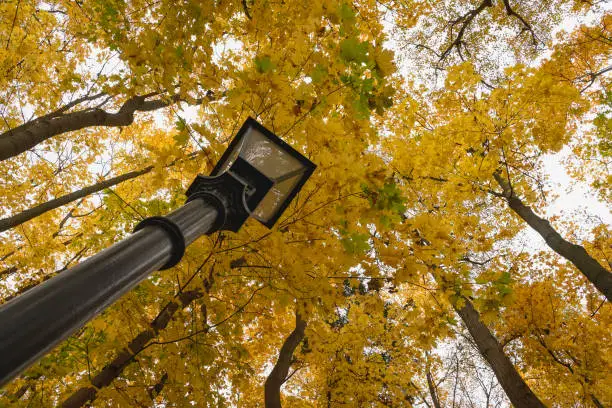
35, 322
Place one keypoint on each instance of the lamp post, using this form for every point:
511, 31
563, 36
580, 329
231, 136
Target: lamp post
257, 176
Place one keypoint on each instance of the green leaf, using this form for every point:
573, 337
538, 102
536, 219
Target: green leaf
264, 64
389, 197
352, 50
181, 137
385, 221
505, 278
347, 14
180, 125
367, 85
356, 243
319, 74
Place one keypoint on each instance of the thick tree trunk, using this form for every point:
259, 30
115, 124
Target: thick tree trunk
513, 384
28, 135
111, 371
576, 254
279, 373
26, 215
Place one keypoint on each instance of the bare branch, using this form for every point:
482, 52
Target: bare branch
467, 21
246, 10
527, 27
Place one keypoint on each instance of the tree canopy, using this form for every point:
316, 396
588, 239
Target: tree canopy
400, 275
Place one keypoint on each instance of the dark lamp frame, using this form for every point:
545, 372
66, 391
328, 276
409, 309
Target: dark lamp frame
309, 167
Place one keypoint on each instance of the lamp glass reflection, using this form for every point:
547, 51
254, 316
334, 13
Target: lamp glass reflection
276, 160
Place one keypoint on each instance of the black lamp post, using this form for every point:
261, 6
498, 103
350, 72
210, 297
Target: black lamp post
257, 176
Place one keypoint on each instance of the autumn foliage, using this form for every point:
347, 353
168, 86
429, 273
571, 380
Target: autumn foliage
421, 265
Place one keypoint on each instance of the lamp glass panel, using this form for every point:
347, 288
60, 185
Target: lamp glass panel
231, 158
267, 156
277, 195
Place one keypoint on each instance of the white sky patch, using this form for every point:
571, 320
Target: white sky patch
573, 195
221, 49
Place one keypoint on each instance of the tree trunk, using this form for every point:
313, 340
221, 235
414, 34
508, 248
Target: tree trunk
279, 373
513, 384
576, 254
111, 371
26, 215
157, 388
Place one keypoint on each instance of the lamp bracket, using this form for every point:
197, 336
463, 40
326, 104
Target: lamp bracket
235, 193
224, 192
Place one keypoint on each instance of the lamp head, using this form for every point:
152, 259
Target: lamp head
268, 172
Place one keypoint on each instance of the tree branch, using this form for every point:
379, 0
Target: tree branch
279, 373
26, 215
157, 388
510, 11
112, 370
126, 356
467, 20
432, 390
592, 76
28, 135
246, 10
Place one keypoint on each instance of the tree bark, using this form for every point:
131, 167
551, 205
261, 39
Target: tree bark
516, 389
597, 403
26, 215
576, 254
157, 388
279, 373
432, 390
20, 392
28, 135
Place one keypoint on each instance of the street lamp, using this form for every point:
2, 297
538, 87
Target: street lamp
257, 176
